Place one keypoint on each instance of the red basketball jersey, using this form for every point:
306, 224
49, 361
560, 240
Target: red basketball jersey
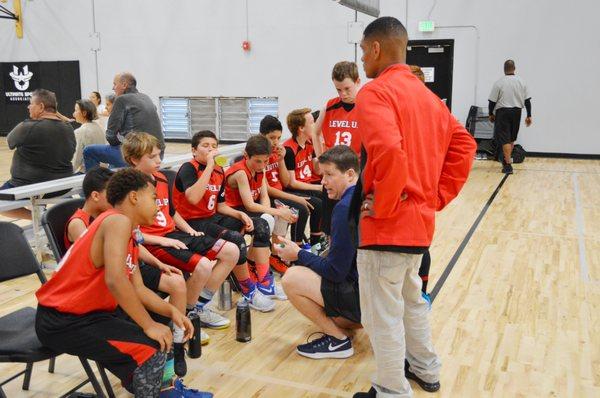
78, 287
163, 222
232, 195
303, 161
340, 126
79, 214
208, 204
272, 173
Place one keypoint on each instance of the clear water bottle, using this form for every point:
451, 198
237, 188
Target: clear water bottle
243, 323
195, 343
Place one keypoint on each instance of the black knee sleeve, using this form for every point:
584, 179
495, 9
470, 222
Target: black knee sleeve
237, 239
261, 233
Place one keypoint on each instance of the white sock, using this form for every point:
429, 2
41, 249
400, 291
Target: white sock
177, 334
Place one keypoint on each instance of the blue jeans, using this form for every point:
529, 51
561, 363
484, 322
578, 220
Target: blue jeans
6, 185
93, 155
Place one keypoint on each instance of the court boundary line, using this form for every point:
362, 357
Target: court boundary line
448, 269
580, 224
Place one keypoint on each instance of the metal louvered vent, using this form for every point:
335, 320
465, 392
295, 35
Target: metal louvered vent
230, 118
174, 113
258, 108
204, 114
369, 7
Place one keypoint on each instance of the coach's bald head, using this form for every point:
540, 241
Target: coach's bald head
383, 44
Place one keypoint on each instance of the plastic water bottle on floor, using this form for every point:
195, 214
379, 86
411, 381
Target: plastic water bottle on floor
243, 323
195, 343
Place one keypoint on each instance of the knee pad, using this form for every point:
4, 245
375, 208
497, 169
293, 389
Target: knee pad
270, 220
262, 232
237, 239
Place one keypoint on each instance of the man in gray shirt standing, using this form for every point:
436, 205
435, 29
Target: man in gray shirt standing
132, 111
509, 95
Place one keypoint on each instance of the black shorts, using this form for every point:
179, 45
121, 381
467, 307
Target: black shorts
150, 275
118, 344
506, 126
186, 260
216, 224
341, 299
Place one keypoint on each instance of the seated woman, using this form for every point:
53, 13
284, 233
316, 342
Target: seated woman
325, 289
88, 134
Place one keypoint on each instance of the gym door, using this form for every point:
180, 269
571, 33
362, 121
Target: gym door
436, 58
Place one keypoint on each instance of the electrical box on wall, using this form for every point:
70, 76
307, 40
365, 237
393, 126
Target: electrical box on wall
355, 32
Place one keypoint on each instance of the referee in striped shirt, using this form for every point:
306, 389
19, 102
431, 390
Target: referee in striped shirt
508, 97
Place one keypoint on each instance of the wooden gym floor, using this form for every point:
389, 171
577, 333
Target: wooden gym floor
517, 316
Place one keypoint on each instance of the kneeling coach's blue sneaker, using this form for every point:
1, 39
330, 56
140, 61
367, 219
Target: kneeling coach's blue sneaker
179, 390
326, 347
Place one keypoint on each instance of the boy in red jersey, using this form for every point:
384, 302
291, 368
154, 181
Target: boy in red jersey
300, 160
199, 196
172, 240
246, 190
76, 311
278, 176
337, 124
156, 275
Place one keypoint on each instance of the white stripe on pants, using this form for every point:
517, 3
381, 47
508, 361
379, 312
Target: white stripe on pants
391, 304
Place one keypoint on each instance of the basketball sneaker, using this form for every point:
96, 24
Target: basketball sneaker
326, 347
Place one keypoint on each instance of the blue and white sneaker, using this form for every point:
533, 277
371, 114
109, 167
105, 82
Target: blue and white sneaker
272, 290
258, 301
326, 347
179, 390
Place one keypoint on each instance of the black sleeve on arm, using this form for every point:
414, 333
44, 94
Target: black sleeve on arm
491, 106
186, 177
290, 159
221, 197
528, 106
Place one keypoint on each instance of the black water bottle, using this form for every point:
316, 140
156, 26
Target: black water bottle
195, 343
243, 324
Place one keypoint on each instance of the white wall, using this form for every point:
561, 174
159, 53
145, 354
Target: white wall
193, 47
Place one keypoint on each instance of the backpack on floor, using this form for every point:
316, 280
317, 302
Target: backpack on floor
518, 154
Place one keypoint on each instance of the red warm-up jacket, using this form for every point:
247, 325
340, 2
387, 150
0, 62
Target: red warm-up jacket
415, 150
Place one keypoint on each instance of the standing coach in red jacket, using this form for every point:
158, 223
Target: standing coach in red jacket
415, 159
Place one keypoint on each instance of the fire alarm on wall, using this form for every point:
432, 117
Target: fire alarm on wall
246, 45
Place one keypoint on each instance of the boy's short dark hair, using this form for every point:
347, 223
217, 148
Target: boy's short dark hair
202, 134
316, 114
269, 124
258, 145
125, 181
342, 157
96, 179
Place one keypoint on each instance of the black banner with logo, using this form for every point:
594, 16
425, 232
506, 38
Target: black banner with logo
20, 79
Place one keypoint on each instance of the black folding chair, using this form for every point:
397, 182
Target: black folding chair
18, 340
54, 222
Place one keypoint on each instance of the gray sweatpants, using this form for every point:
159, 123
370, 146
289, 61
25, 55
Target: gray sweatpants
395, 316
